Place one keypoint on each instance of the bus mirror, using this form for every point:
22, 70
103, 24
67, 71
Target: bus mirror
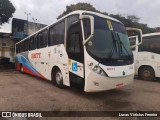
139, 34
91, 27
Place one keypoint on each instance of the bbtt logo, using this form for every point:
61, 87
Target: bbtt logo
36, 55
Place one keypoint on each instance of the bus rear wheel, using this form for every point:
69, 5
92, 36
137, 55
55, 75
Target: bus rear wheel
57, 78
147, 73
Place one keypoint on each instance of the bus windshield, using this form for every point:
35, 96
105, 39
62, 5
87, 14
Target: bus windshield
110, 41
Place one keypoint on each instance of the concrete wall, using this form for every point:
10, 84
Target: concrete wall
8, 40
33, 27
22, 26
7, 48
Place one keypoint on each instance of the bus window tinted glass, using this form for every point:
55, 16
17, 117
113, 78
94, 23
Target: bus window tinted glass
71, 20
26, 45
100, 23
151, 44
118, 28
87, 27
56, 34
35, 42
132, 42
42, 39
22, 47
74, 43
31, 45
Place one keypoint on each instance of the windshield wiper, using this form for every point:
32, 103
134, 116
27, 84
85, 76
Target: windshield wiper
121, 43
114, 46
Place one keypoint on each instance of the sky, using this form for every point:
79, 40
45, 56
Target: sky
46, 11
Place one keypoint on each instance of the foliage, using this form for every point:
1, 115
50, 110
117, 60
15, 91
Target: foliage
79, 6
6, 11
134, 23
133, 18
129, 21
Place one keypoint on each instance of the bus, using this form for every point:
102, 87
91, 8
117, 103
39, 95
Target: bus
83, 48
147, 56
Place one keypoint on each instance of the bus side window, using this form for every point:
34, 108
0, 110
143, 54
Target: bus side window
22, 47
44, 38
38, 41
74, 43
144, 46
56, 34
31, 43
87, 27
52, 38
60, 33
133, 42
71, 20
26, 45
35, 42
153, 44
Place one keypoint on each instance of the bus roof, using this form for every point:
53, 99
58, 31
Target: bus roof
151, 34
80, 12
146, 35
90, 12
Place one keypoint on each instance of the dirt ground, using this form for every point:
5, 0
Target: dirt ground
22, 92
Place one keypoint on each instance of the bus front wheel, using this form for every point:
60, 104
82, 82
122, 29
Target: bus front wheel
57, 78
147, 73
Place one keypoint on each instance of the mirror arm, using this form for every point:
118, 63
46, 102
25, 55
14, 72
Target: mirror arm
84, 42
81, 17
138, 30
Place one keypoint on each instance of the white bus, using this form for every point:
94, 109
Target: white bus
147, 56
83, 48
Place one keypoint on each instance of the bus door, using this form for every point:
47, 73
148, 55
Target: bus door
75, 52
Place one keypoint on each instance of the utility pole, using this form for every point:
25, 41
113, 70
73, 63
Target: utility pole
27, 20
34, 19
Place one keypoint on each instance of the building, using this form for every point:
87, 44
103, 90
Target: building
7, 46
20, 30
23, 28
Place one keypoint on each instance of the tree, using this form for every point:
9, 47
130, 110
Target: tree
133, 18
79, 6
158, 29
129, 21
6, 11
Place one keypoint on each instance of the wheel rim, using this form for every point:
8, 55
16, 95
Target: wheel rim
58, 77
146, 73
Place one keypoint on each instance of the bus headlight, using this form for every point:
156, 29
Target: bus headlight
97, 69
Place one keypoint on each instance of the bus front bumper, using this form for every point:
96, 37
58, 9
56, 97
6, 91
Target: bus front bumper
96, 82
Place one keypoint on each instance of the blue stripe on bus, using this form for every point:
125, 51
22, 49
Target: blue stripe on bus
26, 63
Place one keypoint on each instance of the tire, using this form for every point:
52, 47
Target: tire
21, 69
147, 73
57, 78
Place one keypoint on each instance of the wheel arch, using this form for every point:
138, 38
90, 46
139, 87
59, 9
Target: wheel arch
53, 70
54, 81
142, 66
